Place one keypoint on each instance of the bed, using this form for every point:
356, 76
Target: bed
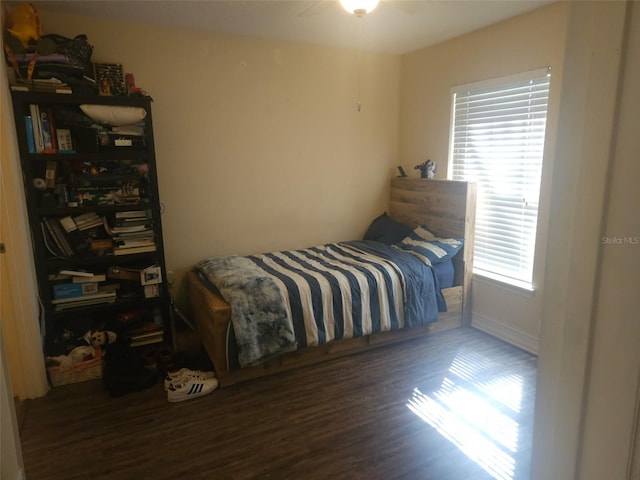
446, 208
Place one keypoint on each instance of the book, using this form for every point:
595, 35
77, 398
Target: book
36, 86
85, 298
74, 290
87, 221
76, 240
31, 142
157, 331
45, 125
63, 137
146, 341
77, 273
49, 242
84, 303
141, 242
59, 236
131, 222
132, 250
133, 214
99, 277
108, 287
129, 228
144, 329
37, 131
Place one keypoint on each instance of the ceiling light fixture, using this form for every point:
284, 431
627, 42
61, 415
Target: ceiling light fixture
359, 7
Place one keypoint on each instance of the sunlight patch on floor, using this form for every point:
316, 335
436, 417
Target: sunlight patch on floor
477, 416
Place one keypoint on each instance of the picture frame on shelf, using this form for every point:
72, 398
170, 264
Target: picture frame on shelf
109, 79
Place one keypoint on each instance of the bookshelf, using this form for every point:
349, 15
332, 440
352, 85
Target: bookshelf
95, 213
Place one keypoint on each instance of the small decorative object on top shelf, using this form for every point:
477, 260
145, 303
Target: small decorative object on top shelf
110, 79
427, 169
401, 171
23, 23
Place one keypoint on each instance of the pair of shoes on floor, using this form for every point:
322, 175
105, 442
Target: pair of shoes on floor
186, 384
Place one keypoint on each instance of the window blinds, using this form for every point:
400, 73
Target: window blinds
497, 141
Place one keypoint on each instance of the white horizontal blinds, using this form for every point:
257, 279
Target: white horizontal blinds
497, 141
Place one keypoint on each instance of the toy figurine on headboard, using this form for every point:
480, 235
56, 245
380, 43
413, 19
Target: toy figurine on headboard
427, 169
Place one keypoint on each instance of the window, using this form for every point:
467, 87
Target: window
497, 141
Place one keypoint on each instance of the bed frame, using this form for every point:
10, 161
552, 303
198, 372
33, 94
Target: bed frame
446, 207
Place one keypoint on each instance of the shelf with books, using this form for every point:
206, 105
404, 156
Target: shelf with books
115, 306
61, 263
89, 156
100, 209
92, 235
94, 207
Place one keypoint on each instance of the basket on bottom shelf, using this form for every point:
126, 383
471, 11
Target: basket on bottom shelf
78, 372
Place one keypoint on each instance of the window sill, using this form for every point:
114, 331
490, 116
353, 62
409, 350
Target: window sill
521, 288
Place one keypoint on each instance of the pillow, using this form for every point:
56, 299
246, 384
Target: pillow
429, 248
386, 230
114, 115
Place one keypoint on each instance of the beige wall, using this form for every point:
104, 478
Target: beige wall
520, 44
259, 143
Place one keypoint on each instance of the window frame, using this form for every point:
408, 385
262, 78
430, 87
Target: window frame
524, 278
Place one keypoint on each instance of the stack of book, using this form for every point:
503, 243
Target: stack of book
145, 334
141, 327
88, 221
49, 85
72, 289
132, 232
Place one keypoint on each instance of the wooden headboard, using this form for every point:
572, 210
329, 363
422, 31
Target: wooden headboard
448, 209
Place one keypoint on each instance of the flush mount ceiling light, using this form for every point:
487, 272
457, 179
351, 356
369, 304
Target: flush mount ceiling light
359, 7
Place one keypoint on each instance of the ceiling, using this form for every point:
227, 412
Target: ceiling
395, 26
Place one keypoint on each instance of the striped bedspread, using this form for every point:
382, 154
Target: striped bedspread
285, 300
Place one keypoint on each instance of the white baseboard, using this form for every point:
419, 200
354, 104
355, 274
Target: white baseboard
510, 335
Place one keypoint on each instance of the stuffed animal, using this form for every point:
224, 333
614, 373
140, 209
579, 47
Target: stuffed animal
427, 169
24, 24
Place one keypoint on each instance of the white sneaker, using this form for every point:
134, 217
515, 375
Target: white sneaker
191, 388
178, 376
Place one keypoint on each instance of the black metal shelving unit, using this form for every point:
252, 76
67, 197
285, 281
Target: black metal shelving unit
34, 166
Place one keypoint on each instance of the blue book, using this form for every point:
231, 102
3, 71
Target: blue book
31, 142
74, 290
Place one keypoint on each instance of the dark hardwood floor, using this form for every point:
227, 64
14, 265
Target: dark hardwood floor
456, 405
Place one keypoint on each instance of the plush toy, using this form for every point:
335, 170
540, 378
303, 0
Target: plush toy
102, 338
427, 169
24, 24
75, 356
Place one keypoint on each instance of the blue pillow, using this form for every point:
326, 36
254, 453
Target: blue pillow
386, 230
429, 248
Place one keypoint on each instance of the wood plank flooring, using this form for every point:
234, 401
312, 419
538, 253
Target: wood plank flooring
456, 405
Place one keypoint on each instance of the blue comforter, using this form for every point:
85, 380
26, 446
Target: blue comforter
285, 300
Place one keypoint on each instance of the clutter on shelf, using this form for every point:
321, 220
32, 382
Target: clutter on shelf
58, 64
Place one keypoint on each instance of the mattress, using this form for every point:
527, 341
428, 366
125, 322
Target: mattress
285, 300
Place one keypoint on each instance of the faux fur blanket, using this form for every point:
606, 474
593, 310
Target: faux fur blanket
261, 322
